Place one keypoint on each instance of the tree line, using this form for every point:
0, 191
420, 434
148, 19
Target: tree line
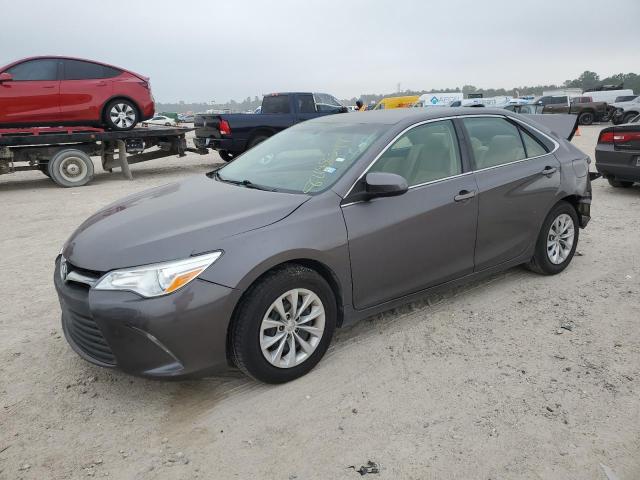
584, 81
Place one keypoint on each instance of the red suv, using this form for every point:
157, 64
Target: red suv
70, 91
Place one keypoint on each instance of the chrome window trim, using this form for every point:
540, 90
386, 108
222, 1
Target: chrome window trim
410, 127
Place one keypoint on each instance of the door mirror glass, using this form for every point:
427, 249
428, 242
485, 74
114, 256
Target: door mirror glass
5, 77
381, 184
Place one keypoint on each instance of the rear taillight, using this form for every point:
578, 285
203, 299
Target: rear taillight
224, 128
619, 137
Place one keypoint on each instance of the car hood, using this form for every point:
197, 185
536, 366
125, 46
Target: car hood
173, 222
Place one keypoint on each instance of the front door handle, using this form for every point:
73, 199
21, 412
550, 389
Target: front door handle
464, 195
549, 170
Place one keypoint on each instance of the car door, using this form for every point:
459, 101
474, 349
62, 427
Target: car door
32, 96
518, 179
84, 90
400, 245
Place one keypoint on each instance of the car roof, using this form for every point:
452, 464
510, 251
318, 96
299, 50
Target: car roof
63, 57
408, 115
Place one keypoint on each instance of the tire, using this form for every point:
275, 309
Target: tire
256, 140
71, 168
543, 261
121, 115
585, 118
251, 331
225, 155
619, 183
628, 116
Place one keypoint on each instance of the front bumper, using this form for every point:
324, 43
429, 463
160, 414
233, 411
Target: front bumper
177, 335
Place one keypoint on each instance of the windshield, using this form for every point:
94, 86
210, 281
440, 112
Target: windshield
307, 158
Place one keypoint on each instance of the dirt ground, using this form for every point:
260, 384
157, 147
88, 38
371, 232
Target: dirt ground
481, 382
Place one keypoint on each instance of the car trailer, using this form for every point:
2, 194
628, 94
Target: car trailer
63, 153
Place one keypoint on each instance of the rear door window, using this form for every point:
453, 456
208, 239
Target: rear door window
306, 104
79, 70
276, 104
35, 70
494, 141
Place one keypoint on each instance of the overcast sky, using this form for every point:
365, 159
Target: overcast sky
199, 50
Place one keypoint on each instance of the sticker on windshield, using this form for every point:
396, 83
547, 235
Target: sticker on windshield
329, 169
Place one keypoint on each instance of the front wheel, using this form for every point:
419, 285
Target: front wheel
121, 115
284, 325
557, 240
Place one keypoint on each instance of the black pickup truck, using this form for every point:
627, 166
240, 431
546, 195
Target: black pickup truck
232, 134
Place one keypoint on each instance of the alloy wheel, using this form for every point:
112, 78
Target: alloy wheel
560, 239
292, 328
122, 115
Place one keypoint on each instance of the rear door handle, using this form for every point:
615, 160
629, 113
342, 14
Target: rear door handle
549, 170
464, 195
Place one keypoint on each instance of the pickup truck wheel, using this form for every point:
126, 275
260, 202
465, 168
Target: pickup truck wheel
71, 168
256, 140
619, 183
226, 156
585, 118
557, 240
628, 116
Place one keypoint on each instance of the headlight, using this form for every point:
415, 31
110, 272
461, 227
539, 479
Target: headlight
158, 279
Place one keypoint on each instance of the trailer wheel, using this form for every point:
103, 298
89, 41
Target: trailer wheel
71, 168
225, 155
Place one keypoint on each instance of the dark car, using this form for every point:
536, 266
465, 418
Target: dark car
232, 134
52, 91
330, 221
618, 154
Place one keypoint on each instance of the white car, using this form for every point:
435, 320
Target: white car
161, 120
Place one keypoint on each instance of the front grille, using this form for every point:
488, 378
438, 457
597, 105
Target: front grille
87, 336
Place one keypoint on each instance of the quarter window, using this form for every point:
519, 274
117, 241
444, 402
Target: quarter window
533, 148
424, 154
34, 70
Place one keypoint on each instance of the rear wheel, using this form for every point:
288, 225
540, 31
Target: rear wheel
586, 118
619, 183
121, 115
557, 240
71, 168
226, 156
284, 325
628, 117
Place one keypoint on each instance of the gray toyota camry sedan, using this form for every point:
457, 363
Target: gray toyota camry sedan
254, 265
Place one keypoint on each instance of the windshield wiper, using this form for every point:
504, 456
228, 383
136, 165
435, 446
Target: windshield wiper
244, 183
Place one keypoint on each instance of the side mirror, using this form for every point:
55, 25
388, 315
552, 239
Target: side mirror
380, 184
5, 77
